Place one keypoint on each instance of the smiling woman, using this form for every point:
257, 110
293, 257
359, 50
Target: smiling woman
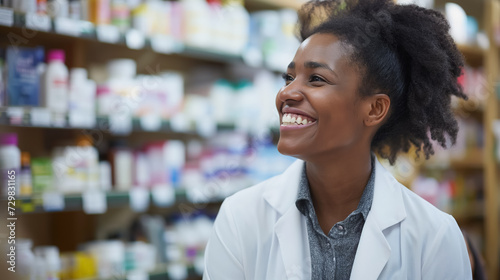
370, 76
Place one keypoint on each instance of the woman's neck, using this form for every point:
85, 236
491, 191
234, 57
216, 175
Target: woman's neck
337, 184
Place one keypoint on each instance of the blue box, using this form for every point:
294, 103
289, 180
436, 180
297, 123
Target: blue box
23, 79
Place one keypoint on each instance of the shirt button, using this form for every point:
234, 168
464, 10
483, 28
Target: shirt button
328, 244
340, 227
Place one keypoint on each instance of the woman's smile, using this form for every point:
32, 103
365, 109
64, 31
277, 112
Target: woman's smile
292, 118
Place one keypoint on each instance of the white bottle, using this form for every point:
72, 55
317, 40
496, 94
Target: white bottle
239, 21
10, 165
58, 8
25, 269
49, 257
81, 99
25, 6
197, 23
105, 181
56, 87
125, 96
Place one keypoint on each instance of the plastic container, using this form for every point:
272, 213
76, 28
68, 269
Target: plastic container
109, 256
120, 14
82, 95
104, 99
48, 262
239, 21
99, 12
197, 23
10, 164
25, 6
58, 8
26, 184
91, 163
175, 157
105, 181
141, 170
25, 259
75, 9
78, 265
56, 86
122, 162
2, 83
41, 7
157, 164
76, 168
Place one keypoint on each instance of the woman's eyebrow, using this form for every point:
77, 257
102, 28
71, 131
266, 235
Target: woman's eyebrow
314, 64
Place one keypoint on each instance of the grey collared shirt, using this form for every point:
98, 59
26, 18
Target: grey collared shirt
332, 255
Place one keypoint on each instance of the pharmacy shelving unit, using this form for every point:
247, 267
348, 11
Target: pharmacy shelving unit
481, 159
84, 45
491, 178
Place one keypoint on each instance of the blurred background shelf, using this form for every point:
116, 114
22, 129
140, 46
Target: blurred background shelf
472, 159
115, 199
471, 182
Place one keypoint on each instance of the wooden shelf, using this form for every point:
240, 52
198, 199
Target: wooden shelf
474, 55
161, 273
74, 202
103, 124
253, 5
467, 108
473, 159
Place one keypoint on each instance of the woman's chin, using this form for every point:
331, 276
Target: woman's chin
289, 150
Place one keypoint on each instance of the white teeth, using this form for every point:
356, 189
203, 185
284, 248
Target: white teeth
288, 119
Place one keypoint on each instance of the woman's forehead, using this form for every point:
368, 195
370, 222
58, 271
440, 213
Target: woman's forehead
324, 48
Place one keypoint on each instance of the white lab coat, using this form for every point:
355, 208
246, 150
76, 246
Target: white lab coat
259, 234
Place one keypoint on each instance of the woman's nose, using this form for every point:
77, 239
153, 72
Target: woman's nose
291, 92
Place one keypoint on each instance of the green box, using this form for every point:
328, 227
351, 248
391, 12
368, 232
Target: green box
42, 175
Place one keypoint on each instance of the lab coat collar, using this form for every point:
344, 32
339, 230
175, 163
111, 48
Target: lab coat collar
373, 249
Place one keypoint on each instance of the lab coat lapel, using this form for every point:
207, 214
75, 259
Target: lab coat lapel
290, 228
294, 246
387, 210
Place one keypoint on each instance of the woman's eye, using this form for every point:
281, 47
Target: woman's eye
287, 78
315, 78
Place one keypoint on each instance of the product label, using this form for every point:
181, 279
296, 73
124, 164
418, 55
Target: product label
163, 195
23, 82
135, 39
53, 201
57, 95
67, 26
41, 169
139, 199
38, 22
94, 202
6, 17
108, 34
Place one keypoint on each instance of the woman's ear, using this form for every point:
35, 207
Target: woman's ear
378, 108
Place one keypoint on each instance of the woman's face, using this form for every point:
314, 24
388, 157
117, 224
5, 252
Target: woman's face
319, 106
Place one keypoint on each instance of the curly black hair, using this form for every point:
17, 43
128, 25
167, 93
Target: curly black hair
404, 51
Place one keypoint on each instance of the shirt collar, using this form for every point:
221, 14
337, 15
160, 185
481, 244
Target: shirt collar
304, 200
